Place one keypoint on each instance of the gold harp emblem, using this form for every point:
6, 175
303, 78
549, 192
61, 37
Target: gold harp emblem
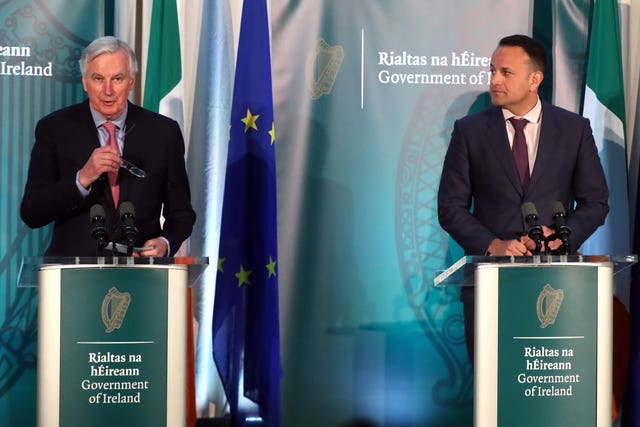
114, 308
548, 306
323, 65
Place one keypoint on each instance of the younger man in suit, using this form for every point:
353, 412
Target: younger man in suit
481, 189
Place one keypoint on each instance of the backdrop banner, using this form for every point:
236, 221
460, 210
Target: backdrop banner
40, 45
366, 94
365, 97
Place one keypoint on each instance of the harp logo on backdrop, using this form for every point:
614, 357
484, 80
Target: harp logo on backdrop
114, 308
323, 65
548, 306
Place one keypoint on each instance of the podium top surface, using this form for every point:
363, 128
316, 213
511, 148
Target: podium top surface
31, 266
462, 272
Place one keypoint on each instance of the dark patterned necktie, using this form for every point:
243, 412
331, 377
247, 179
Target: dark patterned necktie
520, 153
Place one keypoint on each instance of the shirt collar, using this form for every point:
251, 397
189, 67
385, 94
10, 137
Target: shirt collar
98, 120
533, 116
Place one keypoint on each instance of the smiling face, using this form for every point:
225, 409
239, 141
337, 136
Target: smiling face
108, 81
514, 81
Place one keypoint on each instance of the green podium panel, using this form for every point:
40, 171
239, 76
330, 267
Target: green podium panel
112, 345
543, 345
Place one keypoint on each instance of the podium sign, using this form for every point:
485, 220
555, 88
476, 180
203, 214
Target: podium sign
543, 337
546, 354
114, 351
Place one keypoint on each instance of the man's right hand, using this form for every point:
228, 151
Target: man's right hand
103, 159
508, 248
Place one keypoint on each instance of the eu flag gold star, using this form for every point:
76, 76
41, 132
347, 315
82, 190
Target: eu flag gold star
250, 121
243, 276
271, 267
272, 132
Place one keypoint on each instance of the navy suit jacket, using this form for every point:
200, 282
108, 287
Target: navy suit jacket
65, 140
480, 195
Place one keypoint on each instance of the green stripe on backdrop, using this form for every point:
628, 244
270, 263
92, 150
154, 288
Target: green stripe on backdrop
543, 33
109, 17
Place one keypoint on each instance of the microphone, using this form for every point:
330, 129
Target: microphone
127, 219
534, 230
560, 224
98, 225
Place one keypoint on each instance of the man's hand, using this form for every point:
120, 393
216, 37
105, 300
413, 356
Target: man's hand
509, 248
154, 248
551, 245
103, 159
554, 244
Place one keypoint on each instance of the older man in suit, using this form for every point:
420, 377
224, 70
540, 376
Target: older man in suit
77, 157
482, 189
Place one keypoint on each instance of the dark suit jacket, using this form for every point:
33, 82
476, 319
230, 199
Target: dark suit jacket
480, 196
65, 140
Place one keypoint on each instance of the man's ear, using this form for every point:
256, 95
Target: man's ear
536, 79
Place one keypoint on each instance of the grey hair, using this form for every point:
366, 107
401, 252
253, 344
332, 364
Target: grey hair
107, 44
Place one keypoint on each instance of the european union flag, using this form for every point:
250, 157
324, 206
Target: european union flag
246, 338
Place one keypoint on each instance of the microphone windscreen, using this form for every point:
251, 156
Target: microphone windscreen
558, 208
96, 211
528, 209
126, 208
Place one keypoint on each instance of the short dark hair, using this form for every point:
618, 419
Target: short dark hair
531, 47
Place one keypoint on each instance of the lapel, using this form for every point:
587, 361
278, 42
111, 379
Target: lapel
499, 144
87, 133
125, 179
546, 146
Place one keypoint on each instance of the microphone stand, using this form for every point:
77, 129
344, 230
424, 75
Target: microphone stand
530, 217
98, 228
563, 249
562, 231
129, 229
538, 241
535, 234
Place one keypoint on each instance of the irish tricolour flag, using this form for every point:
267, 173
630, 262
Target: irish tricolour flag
163, 89
604, 106
164, 94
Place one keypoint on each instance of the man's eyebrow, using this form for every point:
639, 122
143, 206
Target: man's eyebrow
505, 68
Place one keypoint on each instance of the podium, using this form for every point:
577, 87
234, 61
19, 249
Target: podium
543, 337
112, 341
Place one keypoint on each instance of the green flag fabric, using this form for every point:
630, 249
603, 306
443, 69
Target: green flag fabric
163, 91
604, 107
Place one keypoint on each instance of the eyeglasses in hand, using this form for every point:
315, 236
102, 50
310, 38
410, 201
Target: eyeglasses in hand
133, 169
